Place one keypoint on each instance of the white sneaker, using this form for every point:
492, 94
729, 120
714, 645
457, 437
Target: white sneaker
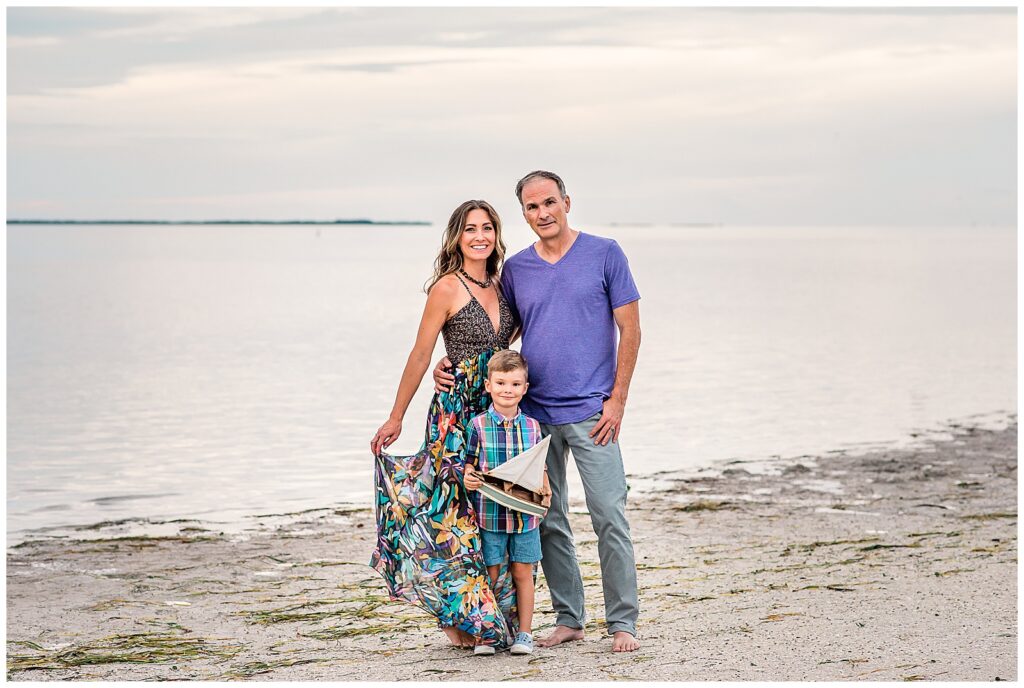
523, 644
483, 650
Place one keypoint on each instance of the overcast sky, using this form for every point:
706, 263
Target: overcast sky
742, 116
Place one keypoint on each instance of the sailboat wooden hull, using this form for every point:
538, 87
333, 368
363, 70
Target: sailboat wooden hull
514, 497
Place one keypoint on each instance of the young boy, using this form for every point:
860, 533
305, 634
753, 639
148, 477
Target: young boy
492, 438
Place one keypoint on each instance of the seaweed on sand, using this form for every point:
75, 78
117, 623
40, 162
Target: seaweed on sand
133, 648
107, 544
253, 668
305, 611
351, 631
653, 567
989, 517
811, 546
523, 675
779, 616
107, 605
942, 574
366, 618
870, 548
797, 567
704, 505
689, 599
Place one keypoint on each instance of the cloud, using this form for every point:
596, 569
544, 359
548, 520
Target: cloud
17, 42
379, 67
673, 112
67, 22
184, 23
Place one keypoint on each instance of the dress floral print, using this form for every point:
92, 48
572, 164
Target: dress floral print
428, 544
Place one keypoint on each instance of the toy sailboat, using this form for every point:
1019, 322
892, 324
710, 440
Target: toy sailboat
519, 483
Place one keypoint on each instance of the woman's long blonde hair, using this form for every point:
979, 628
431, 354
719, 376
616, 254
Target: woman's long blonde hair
449, 258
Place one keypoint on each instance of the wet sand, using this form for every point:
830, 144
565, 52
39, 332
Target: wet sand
888, 565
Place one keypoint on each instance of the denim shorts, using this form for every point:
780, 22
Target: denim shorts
522, 548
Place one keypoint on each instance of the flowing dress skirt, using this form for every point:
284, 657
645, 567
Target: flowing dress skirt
428, 546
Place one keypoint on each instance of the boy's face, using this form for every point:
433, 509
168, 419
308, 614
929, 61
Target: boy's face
507, 388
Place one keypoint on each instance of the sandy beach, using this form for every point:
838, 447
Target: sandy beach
895, 564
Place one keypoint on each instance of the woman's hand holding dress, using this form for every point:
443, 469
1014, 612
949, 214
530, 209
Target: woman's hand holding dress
386, 435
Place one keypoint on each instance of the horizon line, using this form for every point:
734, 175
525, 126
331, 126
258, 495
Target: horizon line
360, 221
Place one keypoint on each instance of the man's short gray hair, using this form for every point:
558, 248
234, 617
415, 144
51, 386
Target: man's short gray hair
539, 174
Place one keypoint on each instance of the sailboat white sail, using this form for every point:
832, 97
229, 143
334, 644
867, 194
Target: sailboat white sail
526, 469
516, 484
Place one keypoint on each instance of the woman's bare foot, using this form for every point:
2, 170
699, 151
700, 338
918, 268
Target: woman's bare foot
561, 634
468, 641
624, 642
458, 638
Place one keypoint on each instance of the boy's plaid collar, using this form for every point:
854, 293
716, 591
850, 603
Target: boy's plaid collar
500, 419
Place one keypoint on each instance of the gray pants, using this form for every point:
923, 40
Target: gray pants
604, 482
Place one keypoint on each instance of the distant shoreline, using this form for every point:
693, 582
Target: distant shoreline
217, 222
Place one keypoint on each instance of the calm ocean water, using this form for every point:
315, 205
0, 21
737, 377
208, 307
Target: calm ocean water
219, 372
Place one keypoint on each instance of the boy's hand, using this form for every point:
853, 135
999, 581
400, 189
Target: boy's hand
545, 492
471, 479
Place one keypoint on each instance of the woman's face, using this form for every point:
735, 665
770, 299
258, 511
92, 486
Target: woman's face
477, 240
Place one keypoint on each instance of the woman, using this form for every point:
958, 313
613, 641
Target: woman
428, 548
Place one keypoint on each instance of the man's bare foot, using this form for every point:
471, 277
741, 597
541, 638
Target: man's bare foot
561, 634
624, 642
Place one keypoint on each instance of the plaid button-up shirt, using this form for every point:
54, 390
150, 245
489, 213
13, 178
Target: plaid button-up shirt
491, 440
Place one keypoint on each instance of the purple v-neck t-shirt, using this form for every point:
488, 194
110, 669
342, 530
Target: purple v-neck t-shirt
569, 332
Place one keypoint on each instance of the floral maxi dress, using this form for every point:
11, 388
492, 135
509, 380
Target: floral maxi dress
428, 546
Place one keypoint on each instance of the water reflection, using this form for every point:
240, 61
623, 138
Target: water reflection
172, 372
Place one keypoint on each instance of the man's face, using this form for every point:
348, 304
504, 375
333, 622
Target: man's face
545, 209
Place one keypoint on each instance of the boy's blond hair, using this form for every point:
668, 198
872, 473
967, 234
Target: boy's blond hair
507, 360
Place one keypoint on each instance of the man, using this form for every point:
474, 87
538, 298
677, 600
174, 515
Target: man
571, 291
